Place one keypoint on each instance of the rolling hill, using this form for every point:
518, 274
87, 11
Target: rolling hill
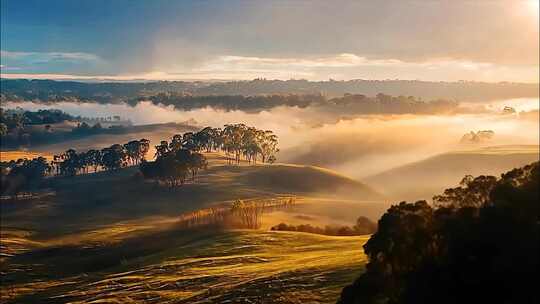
86, 201
111, 237
198, 267
428, 177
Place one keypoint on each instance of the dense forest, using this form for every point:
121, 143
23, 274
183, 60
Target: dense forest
107, 92
478, 244
346, 104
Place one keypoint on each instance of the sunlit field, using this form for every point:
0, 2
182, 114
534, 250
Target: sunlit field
291, 267
138, 251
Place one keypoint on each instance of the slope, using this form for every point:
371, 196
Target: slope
425, 178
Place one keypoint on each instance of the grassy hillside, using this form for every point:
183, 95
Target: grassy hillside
423, 179
85, 202
111, 237
195, 267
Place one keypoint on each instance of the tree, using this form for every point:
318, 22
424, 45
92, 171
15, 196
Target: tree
364, 226
94, 158
23, 174
196, 162
479, 244
172, 167
162, 149
132, 150
113, 157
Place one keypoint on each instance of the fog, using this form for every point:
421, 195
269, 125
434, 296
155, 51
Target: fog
357, 147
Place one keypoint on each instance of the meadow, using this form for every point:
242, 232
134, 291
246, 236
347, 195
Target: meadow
109, 237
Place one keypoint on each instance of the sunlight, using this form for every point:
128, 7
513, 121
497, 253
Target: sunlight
531, 8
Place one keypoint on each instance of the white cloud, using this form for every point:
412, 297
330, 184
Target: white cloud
48, 56
338, 61
340, 67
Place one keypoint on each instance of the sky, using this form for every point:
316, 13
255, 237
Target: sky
315, 40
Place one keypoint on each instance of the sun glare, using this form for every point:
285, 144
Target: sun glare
533, 6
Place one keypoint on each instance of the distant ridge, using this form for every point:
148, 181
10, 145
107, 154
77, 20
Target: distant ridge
425, 178
25, 89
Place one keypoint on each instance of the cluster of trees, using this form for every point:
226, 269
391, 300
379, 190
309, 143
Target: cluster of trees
256, 103
20, 127
240, 214
114, 157
51, 91
23, 174
83, 128
14, 121
357, 103
479, 243
477, 137
238, 141
181, 157
387, 104
27, 174
363, 226
174, 166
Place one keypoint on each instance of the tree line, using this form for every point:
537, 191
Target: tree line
363, 226
22, 174
352, 103
19, 127
14, 121
478, 243
237, 141
26, 174
174, 163
116, 156
181, 157
240, 214
113, 92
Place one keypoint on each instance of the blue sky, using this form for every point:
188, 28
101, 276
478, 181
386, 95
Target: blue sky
429, 40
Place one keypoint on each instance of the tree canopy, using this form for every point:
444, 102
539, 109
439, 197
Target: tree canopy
478, 244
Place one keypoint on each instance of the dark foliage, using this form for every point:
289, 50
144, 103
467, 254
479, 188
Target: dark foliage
23, 128
51, 91
114, 157
181, 157
363, 226
479, 244
21, 175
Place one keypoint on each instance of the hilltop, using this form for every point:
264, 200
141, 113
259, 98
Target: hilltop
425, 178
85, 202
107, 92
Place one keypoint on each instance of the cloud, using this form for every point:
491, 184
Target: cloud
44, 57
339, 61
8, 68
339, 66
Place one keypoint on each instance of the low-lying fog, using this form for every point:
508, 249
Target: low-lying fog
357, 147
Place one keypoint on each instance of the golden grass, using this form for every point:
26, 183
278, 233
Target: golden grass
236, 267
105, 238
